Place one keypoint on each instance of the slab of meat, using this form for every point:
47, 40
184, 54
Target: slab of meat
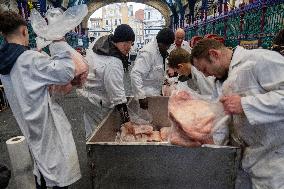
178, 137
131, 132
165, 131
142, 129
141, 138
125, 135
193, 117
154, 137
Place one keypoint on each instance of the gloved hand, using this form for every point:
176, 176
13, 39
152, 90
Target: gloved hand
143, 103
122, 109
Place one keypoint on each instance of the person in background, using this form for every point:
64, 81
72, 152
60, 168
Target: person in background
5, 175
178, 43
27, 76
253, 94
278, 43
104, 88
147, 75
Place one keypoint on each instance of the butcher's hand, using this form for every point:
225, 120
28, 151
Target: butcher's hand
171, 72
232, 104
143, 103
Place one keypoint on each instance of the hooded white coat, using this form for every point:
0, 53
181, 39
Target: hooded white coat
40, 118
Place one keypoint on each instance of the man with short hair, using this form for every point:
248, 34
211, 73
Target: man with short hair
27, 76
253, 92
180, 61
147, 75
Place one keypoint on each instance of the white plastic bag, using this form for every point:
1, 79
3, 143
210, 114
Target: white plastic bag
59, 23
196, 120
138, 115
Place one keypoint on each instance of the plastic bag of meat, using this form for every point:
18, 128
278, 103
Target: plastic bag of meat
196, 121
56, 25
165, 132
81, 69
59, 23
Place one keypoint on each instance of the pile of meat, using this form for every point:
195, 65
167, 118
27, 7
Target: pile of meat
192, 120
131, 132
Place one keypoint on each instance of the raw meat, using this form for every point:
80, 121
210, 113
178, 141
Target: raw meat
142, 129
154, 137
192, 118
126, 134
178, 137
131, 132
165, 131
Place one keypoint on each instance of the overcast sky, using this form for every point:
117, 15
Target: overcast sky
136, 6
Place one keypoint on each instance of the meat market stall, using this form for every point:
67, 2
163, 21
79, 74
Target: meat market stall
157, 164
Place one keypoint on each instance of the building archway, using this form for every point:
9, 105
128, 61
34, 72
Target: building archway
160, 5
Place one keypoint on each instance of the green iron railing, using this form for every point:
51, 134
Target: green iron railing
260, 21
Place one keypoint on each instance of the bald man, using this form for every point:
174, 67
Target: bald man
179, 41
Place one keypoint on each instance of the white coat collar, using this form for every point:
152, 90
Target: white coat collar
173, 46
238, 55
155, 45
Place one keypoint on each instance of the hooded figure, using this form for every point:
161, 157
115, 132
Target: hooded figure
105, 87
26, 76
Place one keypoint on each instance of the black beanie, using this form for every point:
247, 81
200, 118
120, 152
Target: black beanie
123, 33
166, 36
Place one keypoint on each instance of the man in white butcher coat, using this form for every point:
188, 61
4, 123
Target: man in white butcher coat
254, 96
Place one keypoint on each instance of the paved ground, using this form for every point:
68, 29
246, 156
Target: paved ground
73, 109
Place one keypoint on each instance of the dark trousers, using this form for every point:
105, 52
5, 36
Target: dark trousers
43, 184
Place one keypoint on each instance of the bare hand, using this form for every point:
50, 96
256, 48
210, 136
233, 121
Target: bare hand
232, 104
171, 72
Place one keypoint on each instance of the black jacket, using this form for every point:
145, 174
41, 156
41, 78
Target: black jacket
9, 53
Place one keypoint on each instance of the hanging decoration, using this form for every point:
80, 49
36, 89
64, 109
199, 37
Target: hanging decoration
30, 5
21, 8
42, 7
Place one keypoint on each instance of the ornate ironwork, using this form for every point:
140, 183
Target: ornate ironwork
260, 20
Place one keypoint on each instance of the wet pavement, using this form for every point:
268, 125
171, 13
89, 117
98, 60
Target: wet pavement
71, 105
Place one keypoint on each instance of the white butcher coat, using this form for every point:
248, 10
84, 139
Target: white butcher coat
258, 76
